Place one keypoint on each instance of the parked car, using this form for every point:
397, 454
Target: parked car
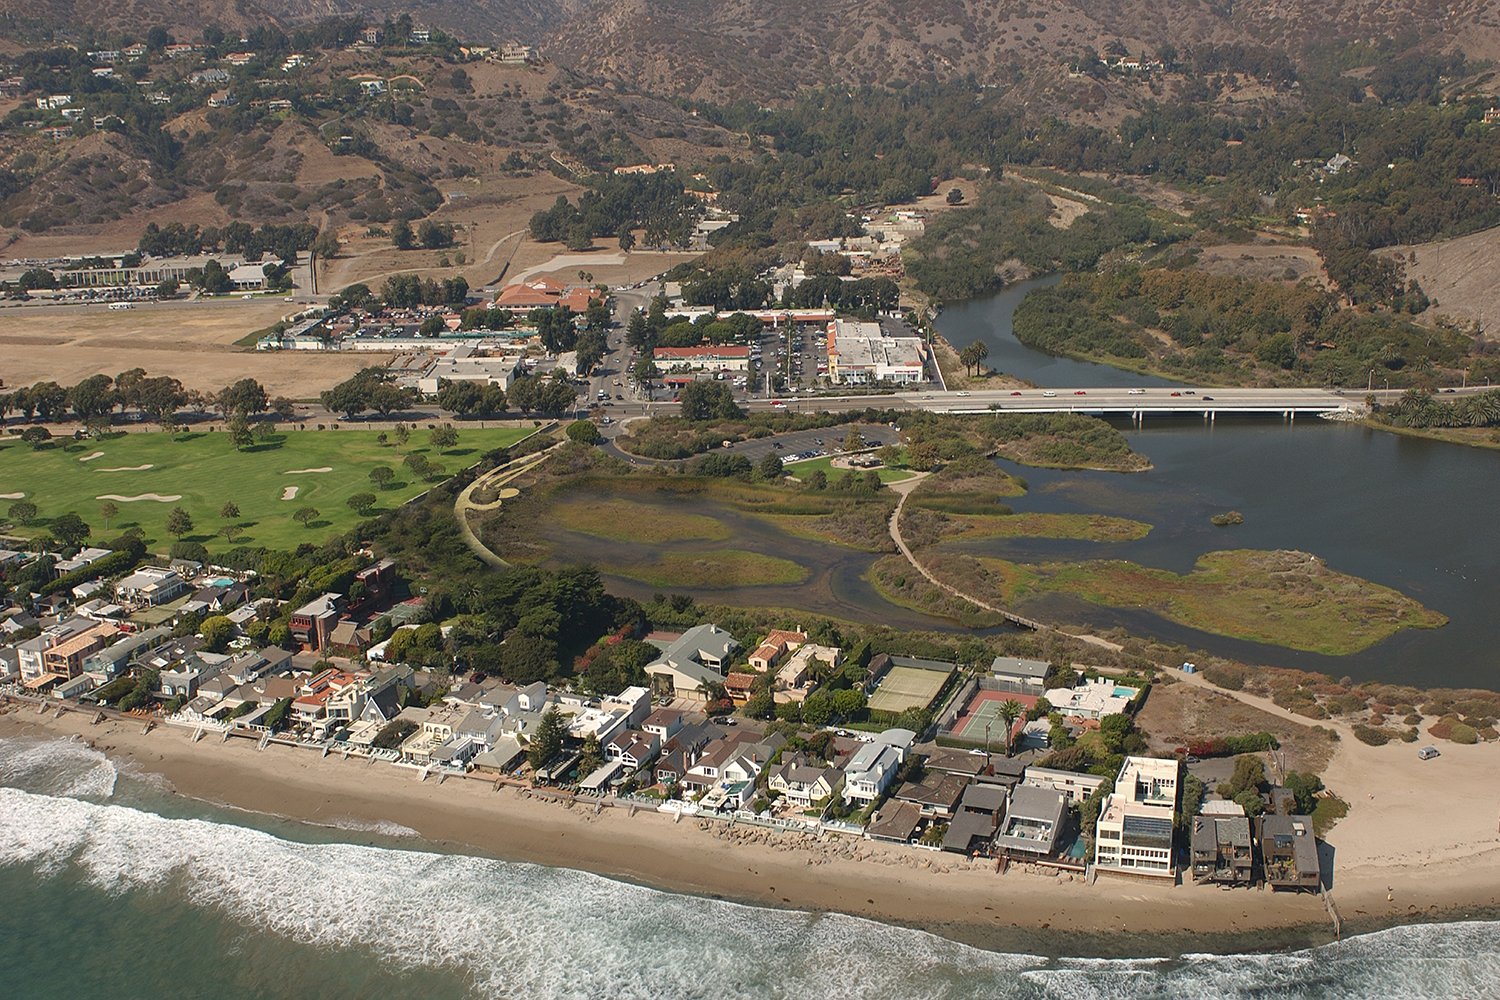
1427, 753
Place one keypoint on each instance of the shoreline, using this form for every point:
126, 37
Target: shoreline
940, 893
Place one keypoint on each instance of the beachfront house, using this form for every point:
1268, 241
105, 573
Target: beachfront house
1134, 832
801, 782
1033, 821
975, 823
1289, 852
1221, 845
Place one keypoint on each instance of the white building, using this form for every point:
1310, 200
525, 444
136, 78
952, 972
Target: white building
873, 767
1134, 832
861, 352
1092, 700
151, 586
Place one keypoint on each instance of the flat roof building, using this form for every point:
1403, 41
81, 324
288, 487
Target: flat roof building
1134, 832
861, 352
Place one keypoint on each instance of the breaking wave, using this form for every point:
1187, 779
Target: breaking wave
522, 930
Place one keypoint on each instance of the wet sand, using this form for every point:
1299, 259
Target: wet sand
940, 892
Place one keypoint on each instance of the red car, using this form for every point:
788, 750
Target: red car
1015, 394
1177, 394
1079, 392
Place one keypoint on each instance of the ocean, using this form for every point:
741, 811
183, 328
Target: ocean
112, 887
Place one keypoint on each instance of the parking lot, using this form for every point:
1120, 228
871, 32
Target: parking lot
802, 442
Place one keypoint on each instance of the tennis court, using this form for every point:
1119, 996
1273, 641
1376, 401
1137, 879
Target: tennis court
983, 710
907, 687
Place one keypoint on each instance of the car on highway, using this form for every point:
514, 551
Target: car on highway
1049, 392
961, 393
1209, 398
1079, 392
1137, 392
1015, 394
1177, 394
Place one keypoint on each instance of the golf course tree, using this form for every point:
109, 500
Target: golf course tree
239, 432
443, 436
179, 522
361, 503
230, 512
36, 436
400, 434
108, 510
382, 476
23, 512
305, 516
70, 529
284, 408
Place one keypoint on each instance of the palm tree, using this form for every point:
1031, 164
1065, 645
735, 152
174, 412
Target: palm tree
1010, 710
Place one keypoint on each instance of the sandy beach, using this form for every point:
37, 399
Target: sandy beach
1380, 849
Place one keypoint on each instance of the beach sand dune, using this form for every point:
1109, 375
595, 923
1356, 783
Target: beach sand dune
290, 493
169, 498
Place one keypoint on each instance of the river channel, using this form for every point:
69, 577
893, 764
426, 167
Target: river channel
1418, 516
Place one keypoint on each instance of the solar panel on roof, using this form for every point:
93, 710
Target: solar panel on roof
1148, 831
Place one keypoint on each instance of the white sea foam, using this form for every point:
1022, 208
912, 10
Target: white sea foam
65, 767
384, 827
521, 930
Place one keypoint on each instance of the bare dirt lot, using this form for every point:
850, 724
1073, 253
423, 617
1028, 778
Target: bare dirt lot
1263, 262
190, 341
1177, 715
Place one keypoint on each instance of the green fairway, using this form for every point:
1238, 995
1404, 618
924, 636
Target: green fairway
201, 472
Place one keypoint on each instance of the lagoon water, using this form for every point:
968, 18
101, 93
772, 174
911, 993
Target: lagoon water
114, 889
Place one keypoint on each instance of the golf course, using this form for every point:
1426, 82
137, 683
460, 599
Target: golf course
144, 476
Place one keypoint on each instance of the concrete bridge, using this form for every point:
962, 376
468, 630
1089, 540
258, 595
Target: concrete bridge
1137, 403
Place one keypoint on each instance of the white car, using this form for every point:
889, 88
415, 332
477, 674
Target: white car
962, 393
1137, 392
1049, 392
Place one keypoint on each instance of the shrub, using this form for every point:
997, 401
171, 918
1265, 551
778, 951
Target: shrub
1369, 734
1463, 733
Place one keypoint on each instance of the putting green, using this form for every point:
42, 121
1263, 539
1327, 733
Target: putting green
205, 471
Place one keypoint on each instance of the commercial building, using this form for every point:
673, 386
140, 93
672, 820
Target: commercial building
703, 359
862, 353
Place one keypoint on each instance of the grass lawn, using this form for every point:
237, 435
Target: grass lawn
804, 469
202, 471
626, 521
723, 570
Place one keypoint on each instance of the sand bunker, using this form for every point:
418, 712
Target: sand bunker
90, 458
127, 468
290, 493
144, 496
507, 493
293, 472
11, 496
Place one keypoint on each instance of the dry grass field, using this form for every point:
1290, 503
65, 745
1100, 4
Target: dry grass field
1460, 275
190, 341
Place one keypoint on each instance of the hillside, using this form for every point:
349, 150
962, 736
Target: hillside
772, 48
